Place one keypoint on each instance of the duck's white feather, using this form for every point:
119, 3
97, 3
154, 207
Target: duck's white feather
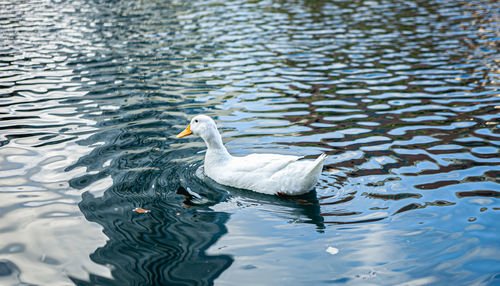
263, 162
263, 173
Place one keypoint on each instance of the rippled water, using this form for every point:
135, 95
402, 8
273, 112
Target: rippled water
402, 95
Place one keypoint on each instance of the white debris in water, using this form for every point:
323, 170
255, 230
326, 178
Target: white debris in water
332, 250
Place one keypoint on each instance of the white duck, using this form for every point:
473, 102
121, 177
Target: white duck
263, 173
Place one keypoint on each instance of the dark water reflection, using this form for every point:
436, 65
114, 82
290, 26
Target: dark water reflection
402, 95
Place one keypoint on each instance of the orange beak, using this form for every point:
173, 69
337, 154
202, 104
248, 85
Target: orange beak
186, 132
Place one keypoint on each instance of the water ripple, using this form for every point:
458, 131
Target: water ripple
403, 97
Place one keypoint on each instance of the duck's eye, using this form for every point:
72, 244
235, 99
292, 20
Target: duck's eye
196, 121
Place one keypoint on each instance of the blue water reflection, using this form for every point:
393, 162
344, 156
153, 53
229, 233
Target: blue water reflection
402, 96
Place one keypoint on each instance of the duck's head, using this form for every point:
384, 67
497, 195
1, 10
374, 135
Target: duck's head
201, 125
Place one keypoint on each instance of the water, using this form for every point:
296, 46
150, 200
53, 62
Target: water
402, 95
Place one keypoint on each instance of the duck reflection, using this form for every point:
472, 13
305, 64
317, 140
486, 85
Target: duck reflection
165, 246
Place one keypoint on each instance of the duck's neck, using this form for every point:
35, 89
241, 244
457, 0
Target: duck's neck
215, 147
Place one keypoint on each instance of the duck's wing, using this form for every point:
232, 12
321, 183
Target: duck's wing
262, 163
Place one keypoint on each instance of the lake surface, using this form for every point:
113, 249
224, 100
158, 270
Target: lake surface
402, 95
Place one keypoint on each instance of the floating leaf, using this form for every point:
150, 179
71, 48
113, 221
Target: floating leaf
141, 210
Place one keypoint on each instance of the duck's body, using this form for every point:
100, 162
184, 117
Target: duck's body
263, 173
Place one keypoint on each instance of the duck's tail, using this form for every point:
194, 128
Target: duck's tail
318, 164
315, 172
